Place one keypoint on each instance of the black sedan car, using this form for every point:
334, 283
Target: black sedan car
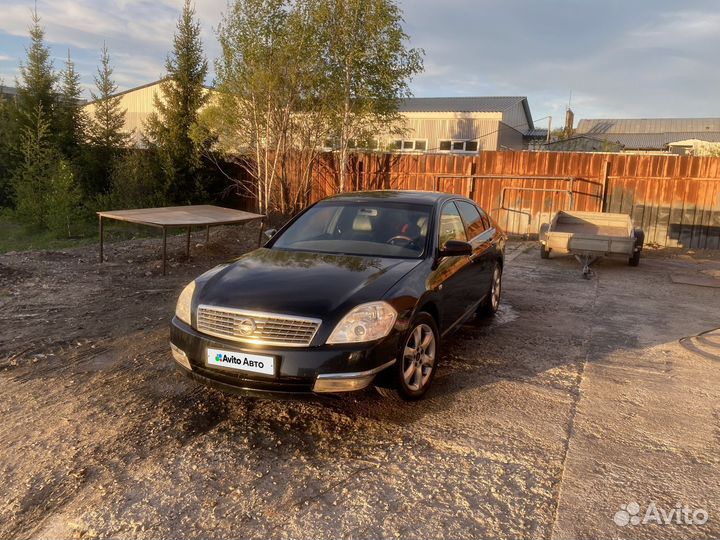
358, 289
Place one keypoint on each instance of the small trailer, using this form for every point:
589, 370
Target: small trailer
591, 235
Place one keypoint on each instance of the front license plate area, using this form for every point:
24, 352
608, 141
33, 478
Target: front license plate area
241, 361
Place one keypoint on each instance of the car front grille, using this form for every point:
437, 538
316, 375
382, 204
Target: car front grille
256, 327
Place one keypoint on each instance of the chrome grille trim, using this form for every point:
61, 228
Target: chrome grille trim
270, 328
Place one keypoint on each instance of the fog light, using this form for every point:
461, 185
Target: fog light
180, 357
327, 384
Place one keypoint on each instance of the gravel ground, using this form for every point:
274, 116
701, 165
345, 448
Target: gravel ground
578, 398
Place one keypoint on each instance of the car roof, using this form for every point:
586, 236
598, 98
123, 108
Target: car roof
402, 196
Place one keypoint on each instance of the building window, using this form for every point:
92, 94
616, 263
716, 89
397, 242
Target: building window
458, 146
409, 145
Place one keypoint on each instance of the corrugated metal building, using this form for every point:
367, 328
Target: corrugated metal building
458, 125
644, 134
8, 92
465, 125
137, 103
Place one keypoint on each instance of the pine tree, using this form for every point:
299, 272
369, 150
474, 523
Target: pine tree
105, 129
182, 95
36, 86
7, 151
71, 117
33, 175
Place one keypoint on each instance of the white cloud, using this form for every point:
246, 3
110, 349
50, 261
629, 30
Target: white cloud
138, 33
619, 58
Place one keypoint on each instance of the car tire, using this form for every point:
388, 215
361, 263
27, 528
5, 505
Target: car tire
413, 372
544, 252
490, 305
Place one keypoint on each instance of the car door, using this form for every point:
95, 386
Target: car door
495, 245
477, 238
451, 275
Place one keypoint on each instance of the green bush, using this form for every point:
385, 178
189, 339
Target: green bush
64, 209
137, 182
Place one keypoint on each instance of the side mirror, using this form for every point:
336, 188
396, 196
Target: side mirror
455, 248
269, 233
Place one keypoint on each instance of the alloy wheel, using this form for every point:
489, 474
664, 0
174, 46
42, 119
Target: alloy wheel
419, 357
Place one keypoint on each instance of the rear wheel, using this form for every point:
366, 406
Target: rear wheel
639, 235
416, 363
544, 252
491, 304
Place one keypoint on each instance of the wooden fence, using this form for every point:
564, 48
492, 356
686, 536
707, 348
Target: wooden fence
675, 199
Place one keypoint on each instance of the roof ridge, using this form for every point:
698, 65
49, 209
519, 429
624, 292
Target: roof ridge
465, 97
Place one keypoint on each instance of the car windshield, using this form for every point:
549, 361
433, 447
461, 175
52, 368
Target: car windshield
377, 229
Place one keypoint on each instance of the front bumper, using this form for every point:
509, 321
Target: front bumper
300, 371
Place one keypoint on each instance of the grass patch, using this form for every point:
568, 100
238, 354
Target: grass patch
15, 236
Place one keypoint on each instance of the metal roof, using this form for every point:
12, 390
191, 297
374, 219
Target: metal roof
649, 141
465, 104
8, 90
460, 104
647, 125
537, 133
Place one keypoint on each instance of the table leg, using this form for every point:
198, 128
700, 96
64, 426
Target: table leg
207, 234
100, 225
187, 245
164, 249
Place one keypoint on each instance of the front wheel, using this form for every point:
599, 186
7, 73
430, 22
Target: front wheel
416, 363
491, 304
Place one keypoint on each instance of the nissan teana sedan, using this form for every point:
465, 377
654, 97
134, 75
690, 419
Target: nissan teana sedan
358, 289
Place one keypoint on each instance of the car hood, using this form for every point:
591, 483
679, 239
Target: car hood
301, 283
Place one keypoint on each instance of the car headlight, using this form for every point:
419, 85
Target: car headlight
367, 322
183, 309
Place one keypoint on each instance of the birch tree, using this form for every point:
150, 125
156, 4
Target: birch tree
248, 113
367, 69
294, 73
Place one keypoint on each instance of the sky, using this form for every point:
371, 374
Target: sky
616, 58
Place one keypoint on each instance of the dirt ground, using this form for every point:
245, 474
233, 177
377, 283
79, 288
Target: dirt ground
582, 396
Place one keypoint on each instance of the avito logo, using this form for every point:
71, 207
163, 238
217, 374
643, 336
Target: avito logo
630, 514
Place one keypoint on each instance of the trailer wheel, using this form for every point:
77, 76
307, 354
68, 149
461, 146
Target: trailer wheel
639, 235
542, 234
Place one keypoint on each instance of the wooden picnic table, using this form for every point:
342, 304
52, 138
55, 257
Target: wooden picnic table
201, 215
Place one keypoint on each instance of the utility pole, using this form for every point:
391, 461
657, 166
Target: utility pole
549, 128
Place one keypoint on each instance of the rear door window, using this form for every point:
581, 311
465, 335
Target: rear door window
472, 218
